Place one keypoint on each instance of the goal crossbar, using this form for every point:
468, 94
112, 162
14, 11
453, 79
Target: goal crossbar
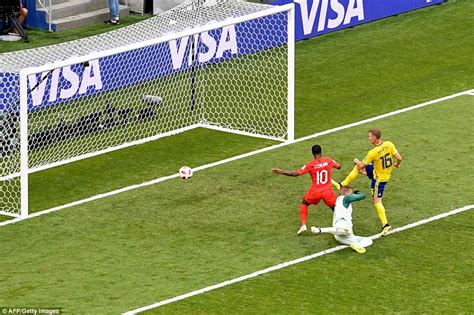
163, 39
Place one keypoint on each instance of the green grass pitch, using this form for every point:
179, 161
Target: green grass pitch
136, 248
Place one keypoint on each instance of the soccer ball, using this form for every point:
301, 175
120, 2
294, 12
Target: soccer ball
185, 172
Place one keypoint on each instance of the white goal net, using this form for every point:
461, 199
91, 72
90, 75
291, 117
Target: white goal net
225, 65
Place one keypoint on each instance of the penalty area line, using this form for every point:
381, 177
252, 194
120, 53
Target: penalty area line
290, 263
237, 157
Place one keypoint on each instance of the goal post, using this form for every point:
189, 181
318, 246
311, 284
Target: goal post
24, 167
291, 73
228, 72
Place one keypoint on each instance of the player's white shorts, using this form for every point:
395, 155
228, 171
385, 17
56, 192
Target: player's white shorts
354, 239
351, 238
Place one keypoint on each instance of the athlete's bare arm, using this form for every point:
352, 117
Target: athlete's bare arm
284, 172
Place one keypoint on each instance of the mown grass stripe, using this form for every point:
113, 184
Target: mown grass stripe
291, 262
234, 158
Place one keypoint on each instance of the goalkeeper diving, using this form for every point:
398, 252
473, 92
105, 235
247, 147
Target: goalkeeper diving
342, 221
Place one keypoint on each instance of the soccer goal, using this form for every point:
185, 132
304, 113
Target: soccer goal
224, 65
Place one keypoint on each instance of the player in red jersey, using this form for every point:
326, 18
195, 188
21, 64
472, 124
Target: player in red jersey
320, 170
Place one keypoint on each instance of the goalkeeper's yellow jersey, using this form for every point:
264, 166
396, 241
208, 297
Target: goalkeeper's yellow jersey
383, 158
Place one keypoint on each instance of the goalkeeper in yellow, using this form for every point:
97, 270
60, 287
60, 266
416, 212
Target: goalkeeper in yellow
378, 166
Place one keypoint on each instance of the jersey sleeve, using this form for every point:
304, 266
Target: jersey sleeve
304, 169
393, 149
335, 164
369, 158
351, 198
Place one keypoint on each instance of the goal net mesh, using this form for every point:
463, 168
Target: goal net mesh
233, 78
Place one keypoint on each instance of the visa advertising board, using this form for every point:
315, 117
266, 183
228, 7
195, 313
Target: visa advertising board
316, 17
145, 64
312, 18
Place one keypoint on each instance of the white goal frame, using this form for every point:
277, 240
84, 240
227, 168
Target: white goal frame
24, 73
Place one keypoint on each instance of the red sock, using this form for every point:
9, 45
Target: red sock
303, 213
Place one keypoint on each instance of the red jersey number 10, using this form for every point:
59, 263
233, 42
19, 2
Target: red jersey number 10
321, 177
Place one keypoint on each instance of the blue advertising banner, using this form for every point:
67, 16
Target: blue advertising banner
316, 17
145, 64
312, 18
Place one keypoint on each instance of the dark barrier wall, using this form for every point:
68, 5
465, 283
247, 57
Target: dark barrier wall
316, 17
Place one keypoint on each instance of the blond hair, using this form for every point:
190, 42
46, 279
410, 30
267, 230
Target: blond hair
377, 133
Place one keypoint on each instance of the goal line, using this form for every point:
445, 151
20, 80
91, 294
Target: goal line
237, 157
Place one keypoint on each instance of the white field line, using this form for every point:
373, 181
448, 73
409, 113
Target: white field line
289, 263
96, 197
237, 157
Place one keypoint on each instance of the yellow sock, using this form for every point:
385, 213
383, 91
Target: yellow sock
336, 184
352, 175
381, 212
